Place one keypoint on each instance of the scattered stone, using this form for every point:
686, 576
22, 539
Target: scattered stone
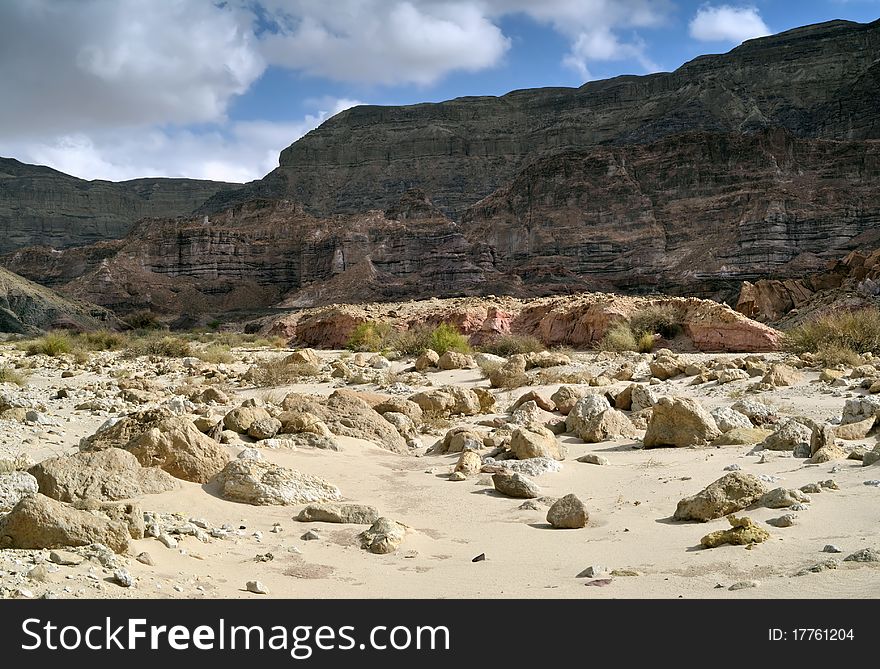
732, 492
782, 375
311, 535
355, 514
727, 419
515, 485
831, 548
40, 573
384, 536
469, 464
145, 558
742, 531
257, 588
863, 555
789, 433
732, 468
535, 441
264, 483
264, 428
568, 512
480, 558
678, 421
65, 558
14, 487
780, 498
599, 582
567, 396
743, 585
786, 520
38, 521
593, 571
123, 578
610, 424
758, 412
427, 359
455, 360
825, 565
593, 459
742, 436
448, 401
853, 431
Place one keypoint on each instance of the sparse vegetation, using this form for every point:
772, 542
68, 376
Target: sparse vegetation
215, 353
102, 340
277, 372
839, 338
10, 375
662, 319
446, 337
369, 336
143, 320
645, 344
507, 345
619, 337
53, 344
163, 346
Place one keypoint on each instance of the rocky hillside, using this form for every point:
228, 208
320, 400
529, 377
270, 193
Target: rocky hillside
818, 81
41, 206
28, 308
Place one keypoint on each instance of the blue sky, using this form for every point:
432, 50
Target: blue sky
215, 89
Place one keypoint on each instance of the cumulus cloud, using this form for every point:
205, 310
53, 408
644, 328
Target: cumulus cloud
237, 151
725, 23
380, 42
74, 66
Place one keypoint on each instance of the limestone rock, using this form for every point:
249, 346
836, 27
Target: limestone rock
264, 428
593, 459
448, 401
732, 492
38, 521
727, 419
787, 436
677, 421
14, 486
782, 375
110, 475
742, 531
354, 514
568, 512
610, 424
853, 431
469, 463
263, 483
240, 419
585, 409
742, 436
455, 360
566, 397
540, 400
515, 485
305, 356
384, 536
426, 360
512, 374
780, 498
535, 441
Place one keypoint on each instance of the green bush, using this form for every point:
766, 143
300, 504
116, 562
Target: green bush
446, 337
619, 337
837, 335
53, 344
663, 319
414, 341
507, 345
368, 337
143, 320
277, 372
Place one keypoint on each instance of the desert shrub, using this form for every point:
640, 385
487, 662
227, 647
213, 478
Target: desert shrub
277, 372
369, 336
645, 343
102, 340
662, 319
489, 367
165, 347
143, 320
53, 344
414, 341
507, 345
619, 337
446, 337
831, 355
215, 353
838, 334
10, 375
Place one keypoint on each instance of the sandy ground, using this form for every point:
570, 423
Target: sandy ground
630, 502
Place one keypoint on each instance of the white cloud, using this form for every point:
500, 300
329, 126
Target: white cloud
75, 66
725, 23
239, 151
380, 42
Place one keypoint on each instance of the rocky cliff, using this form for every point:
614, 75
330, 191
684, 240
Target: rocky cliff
41, 206
28, 308
818, 81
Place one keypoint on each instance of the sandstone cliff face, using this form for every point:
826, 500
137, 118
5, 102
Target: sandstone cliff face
694, 213
817, 82
40, 206
577, 320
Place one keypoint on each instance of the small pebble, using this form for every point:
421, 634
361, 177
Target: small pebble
257, 588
